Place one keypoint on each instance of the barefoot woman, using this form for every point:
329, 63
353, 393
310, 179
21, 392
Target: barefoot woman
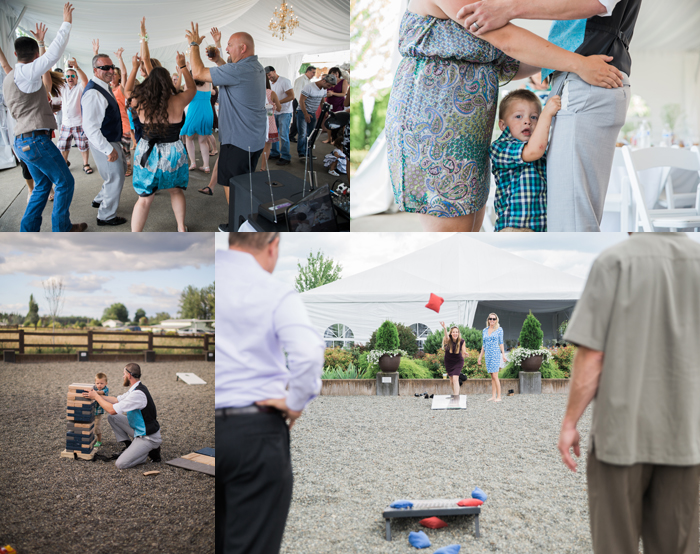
492, 344
455, 351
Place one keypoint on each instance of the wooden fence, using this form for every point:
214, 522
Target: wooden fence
93, 343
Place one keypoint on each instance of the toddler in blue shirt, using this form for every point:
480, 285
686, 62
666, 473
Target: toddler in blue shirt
101, 387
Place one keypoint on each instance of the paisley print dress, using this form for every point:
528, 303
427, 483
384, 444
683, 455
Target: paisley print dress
440, 116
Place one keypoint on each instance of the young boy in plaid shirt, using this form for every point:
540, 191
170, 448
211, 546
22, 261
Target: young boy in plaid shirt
519, 163
102, 388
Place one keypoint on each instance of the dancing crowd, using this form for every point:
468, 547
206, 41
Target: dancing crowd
157, 118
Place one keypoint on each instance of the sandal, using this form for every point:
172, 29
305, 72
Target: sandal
129, 171
87, 169
207, 191
205, 170
67, 163
213, 153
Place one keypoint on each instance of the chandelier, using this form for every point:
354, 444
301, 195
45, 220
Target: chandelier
284, 21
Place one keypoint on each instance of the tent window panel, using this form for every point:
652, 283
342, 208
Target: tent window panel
422, 332
339, 335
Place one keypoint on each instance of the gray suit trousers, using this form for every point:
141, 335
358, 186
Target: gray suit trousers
581, 150
113, 174
138, 450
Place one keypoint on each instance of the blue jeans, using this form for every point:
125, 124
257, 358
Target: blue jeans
283, 122
304, 129
47, 166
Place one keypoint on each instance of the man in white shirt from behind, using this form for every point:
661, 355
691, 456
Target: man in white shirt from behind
282, 87
299, 85
72, 124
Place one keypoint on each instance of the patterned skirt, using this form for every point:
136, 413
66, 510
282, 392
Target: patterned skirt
166, 167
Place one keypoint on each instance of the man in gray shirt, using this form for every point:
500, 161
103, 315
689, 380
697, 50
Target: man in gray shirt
637, 326
242, 114
310, 99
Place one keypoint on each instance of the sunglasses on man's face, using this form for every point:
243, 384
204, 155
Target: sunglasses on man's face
105, 67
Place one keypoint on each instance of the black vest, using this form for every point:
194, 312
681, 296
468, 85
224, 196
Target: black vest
149, 412
112, 123
612, 35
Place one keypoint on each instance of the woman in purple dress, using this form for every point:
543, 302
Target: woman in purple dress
455, 351
336, 97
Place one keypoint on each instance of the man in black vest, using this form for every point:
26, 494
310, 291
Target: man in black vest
102, 124
132, 414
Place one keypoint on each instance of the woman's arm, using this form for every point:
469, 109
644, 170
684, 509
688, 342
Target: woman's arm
535, 51
186, 97
129, 87
3, 62
122, 66
145, 54
276, 101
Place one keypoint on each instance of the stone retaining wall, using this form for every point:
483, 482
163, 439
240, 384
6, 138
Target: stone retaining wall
409, 387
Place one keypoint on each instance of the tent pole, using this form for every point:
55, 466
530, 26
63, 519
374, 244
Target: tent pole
14, 28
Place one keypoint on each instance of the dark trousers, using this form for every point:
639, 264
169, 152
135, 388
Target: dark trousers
253, 483
293, 128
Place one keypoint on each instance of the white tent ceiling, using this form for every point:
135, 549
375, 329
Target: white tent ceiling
323, 27
462, 270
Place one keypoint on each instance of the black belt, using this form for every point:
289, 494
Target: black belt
254, 409
34, 133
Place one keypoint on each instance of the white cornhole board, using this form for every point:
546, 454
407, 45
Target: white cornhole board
448, 402
190, 379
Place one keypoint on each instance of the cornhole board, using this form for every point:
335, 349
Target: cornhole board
432, 507
190, 379
449, 402
201, 461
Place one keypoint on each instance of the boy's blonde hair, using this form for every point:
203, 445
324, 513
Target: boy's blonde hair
101, 376
519, 94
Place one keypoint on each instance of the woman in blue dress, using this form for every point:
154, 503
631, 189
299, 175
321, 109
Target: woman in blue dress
492, 345
441, 113
200, 121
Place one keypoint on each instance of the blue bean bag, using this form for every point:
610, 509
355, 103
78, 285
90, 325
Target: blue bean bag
419, 539
401, 504
478, 493
452, 549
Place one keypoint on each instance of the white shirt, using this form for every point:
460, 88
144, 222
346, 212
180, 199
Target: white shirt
299, 85
280, 88
314, 97
94, 108
70, 98
28, 75
609, 6
130, 400
261, 320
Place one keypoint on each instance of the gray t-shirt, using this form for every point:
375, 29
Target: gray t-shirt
641, 308
314, 96
242, 114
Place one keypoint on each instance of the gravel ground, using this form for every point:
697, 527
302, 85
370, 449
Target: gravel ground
50, 504
352, 456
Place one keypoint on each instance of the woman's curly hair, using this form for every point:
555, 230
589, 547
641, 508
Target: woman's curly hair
152, 96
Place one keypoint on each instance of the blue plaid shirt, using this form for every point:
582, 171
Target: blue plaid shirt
99, 409
521, 187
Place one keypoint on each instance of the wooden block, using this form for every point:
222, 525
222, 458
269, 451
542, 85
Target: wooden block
74, 386
200, 458
75, 455
79, 404
152, 473
81, 431
81, 425
74, 397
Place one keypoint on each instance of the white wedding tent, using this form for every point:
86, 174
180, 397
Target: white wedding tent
474, 278
324, 28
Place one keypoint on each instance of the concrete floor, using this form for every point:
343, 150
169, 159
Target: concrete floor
204, 213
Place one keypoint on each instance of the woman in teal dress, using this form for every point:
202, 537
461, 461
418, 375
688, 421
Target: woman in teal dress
442, 108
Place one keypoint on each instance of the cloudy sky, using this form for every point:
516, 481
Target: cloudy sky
140, 270
569, 252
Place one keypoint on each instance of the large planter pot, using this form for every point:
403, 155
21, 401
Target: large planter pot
389, 364
532, 363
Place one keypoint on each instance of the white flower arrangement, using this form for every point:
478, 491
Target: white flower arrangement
374, 355
517, 355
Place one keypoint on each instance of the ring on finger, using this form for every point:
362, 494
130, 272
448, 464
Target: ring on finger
475, 24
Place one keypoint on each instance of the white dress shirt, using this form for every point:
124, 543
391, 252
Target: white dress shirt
94, 108
130, 400
299, 85
261, 319
28, 75
70, 102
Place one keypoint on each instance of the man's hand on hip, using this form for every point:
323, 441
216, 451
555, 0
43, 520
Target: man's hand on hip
281, 404
113, 156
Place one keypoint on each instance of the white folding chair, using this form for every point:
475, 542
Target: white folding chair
648, 158
617, 199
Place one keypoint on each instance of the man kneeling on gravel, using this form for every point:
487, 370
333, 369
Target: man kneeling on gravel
132, 414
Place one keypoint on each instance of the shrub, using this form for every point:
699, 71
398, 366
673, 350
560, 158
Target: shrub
407, 340
472, 369
436, 363
337, 357
531, 334
548, 369
339, 372
564, 358
387, 337
410, 369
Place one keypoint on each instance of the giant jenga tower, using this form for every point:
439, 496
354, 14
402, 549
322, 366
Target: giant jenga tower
80, 435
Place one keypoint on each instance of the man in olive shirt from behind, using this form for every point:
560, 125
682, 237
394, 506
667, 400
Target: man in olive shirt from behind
637, 327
